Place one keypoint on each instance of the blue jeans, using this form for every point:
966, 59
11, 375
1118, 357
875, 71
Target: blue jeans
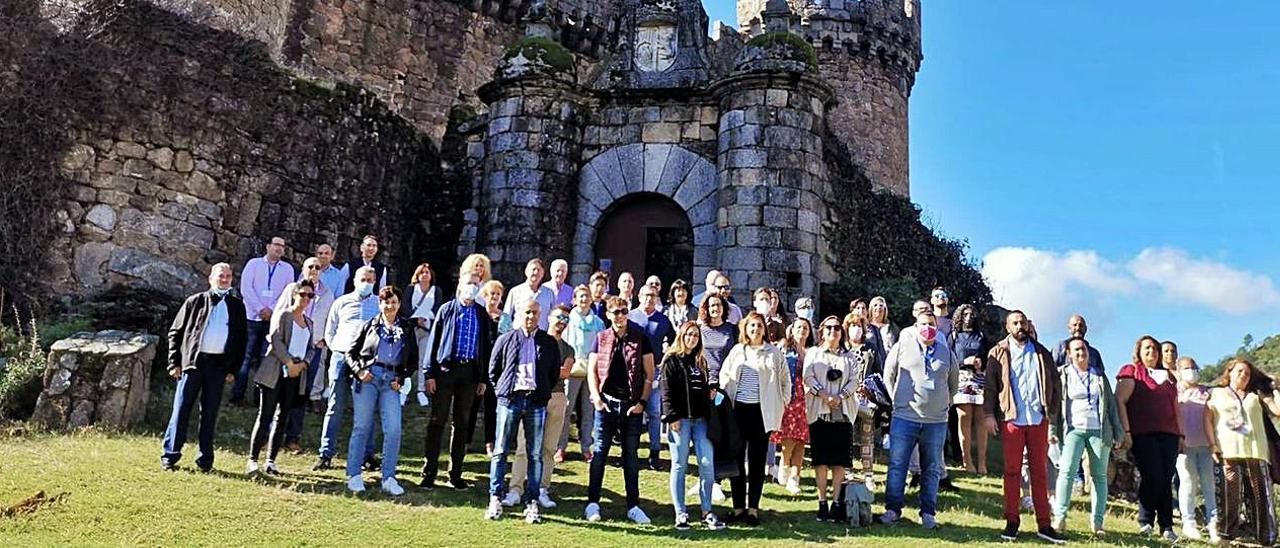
368, 399
653, 416
608, 422
255, 348
695, 431
293, 427
203, 384
1075, 443
339, 390
520, 410
1195, 473
904, 436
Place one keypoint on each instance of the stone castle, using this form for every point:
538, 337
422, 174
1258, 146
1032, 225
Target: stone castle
619, 134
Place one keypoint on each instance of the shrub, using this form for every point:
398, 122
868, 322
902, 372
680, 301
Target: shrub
22, 375
799, 49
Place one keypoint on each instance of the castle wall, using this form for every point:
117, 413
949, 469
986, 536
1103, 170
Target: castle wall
263, 20
196, 148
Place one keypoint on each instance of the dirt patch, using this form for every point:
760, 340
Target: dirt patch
33, 503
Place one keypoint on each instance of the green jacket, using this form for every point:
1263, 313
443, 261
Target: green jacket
1112, 429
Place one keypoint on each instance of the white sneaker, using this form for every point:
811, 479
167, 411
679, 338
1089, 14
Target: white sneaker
355, 484
251, 467
512, 499
593, 512
531, 515
392, 487
1213, 532
271, 468
793, 485
1059, 524
1169, 535
1146, 529
544, 499
1191, 529
495, 509
717, 494
637, 515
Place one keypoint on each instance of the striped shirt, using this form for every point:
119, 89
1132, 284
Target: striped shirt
748, 386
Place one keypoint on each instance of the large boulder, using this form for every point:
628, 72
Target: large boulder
98, 379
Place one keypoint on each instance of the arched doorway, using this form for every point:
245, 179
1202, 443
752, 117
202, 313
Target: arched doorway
646, 234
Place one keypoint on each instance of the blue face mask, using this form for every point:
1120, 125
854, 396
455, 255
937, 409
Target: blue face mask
219, 291
364, 289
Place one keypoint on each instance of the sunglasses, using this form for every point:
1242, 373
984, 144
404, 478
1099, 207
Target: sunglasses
939, 295
618, 311
831, 327
307, 295
313, 267
723, 287
560, 319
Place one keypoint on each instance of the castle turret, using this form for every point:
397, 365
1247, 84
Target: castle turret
770, 159
869, 51
531, 147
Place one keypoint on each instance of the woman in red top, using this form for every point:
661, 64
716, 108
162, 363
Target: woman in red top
1147, 394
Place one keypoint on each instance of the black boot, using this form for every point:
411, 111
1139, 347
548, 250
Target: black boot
823, 513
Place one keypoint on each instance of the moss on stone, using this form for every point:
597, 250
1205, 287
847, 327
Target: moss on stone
546, 50
802, 50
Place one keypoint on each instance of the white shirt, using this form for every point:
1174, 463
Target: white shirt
298, 341
216, 329
522, 293
424, 305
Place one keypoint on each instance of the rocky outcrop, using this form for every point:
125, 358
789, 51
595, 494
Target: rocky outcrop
97, 379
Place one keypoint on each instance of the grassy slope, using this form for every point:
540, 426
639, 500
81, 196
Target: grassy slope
119, 495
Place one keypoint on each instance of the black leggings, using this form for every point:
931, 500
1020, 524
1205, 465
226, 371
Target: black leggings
755, 443
273, 407
1155, 455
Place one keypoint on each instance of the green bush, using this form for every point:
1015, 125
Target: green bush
803, 50
22, 375
549, 51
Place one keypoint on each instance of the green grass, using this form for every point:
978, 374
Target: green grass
118, 495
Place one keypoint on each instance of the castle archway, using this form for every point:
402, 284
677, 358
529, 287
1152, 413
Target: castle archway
649, 209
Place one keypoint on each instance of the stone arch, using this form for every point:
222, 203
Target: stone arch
669, 170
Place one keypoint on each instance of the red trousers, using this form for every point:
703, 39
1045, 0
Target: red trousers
1035, 441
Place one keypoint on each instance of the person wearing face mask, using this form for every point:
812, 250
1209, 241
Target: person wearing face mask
765, 302
453, 368
805, 309
1195, 464
347, 315
922, 375
206, 342
1021, 398
1147, 395
1088, 422
317, 311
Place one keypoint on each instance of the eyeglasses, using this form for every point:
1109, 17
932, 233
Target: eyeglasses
313, 267
723, 287
831, 327
939, 295
560, 319
618, 311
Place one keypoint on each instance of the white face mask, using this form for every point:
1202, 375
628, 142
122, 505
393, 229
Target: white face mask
220, 291
364, 289
762, 307
1190, 376
468, 292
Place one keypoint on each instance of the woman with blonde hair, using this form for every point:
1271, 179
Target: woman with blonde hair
686, 392
755, 378
794, 433
878, 323
1237, 415
491, 298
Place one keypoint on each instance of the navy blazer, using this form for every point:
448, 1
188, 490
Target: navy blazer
506, 359
443, 334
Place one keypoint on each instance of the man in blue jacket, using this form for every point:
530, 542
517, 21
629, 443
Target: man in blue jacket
453, 369
524, 367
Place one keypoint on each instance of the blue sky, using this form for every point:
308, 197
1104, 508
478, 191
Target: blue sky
1120, 159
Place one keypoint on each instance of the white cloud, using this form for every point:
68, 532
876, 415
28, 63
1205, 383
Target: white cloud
1208, 283
1050, 285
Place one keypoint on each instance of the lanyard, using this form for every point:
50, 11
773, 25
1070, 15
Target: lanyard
1239, 400
422, 296
927, 351
271, 273
1088, 389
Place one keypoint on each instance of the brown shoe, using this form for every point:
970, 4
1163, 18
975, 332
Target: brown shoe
293, 448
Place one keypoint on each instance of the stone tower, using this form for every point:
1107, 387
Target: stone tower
869, 51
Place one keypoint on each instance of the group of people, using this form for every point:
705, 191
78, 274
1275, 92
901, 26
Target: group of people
745, 392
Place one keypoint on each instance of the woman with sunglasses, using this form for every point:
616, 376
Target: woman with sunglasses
755, 378
686, 405
830, 385
279, 377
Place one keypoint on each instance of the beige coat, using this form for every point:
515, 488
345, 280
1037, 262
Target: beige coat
817, 361
775, 379
269, 372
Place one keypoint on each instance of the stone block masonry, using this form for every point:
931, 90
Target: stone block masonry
97, 379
